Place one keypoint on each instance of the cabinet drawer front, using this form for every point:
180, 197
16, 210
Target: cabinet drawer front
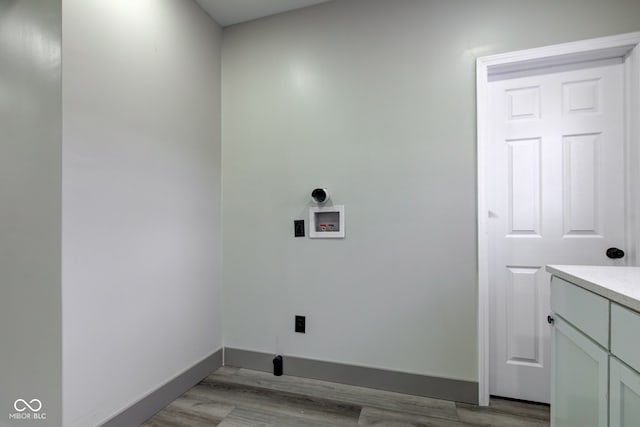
585, 310
625, 331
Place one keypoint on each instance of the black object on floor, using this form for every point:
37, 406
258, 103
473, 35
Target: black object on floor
277, 366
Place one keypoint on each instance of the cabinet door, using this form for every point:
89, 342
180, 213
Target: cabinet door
625, 395
579, 379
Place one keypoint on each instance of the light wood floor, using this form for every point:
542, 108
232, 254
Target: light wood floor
232, 397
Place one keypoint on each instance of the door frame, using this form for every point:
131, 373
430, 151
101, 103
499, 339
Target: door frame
624, 45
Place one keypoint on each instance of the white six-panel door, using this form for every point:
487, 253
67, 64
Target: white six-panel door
556, 196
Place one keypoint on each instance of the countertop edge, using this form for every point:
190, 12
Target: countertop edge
610, 294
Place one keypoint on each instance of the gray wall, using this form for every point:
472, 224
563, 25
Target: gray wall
141, 199
30, 187
375, 100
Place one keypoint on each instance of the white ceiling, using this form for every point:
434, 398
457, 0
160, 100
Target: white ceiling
228, 12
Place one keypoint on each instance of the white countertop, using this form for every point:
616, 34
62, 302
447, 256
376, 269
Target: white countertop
619, 284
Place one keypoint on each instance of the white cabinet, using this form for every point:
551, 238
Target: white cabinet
579, 378
625, 395
625, 325
595, 358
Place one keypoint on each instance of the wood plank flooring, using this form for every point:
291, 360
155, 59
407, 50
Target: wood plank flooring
233, 397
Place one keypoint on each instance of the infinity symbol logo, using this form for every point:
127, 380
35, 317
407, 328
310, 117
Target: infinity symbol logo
21, 405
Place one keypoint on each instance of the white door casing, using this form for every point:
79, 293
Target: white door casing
521, 218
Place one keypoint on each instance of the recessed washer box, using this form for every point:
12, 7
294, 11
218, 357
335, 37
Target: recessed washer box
326, 222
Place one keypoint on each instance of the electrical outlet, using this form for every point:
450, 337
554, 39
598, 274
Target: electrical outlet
298, 228
300, 324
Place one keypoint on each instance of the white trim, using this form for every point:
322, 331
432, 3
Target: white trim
482, 76
562, 54
632, 119
586, 50
629, 157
